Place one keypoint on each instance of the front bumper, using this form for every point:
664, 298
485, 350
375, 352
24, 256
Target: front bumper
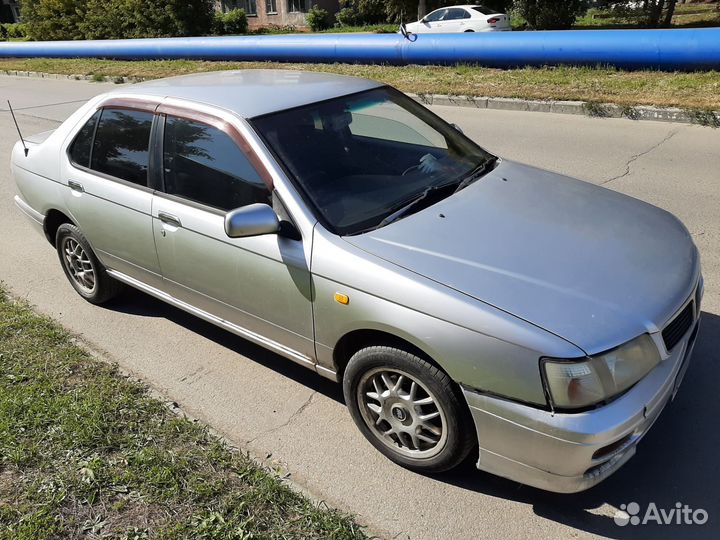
567, 453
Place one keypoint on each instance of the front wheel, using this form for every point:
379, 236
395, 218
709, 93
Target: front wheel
408, 409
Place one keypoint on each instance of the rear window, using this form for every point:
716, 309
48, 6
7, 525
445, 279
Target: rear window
484, 10
121, 145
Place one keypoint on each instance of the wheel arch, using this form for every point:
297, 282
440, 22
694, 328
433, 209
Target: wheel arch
53, 219
355, 340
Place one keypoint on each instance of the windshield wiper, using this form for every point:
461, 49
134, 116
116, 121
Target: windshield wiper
476, 173
429, 195
434, 193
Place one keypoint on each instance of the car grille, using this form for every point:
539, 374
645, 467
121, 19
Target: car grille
677, 328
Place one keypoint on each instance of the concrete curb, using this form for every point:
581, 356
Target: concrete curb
598, 110
93, 78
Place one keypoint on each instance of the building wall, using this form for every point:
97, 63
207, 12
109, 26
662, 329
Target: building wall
277, 12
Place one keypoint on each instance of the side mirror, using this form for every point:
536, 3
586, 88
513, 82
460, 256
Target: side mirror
251, 220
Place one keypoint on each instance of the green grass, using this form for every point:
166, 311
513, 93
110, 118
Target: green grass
686, 16
87, 453
699, 90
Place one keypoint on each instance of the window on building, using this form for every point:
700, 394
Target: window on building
250, 7
203, 164
270, 6
120, 148
298, 6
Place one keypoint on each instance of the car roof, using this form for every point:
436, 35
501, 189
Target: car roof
253, 92
468, 6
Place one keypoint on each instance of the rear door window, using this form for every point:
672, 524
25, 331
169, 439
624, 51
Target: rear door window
121, 145
203, 164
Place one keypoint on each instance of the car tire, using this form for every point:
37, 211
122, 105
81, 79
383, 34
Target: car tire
408, 409
466, 31
85, 272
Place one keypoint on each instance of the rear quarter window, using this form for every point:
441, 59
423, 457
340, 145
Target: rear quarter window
80, 147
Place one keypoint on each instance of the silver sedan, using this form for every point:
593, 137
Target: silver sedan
463, 301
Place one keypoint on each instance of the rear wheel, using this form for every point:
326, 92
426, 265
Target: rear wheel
82, 268
466, 31
408, 409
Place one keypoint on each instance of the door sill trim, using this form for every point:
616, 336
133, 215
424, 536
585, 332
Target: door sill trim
209, 317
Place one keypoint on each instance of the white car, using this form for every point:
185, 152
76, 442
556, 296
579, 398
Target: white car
453, 19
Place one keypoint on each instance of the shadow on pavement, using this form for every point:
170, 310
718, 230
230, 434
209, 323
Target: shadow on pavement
134, 302
677, 461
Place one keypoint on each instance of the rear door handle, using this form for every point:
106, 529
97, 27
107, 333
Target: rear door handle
169, 219
76, 186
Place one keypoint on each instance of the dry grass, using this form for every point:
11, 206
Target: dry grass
699, 90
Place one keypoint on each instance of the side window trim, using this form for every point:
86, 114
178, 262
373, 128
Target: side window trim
92, 139
156, 177
189, 202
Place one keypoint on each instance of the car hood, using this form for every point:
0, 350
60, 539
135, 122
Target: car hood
588, 264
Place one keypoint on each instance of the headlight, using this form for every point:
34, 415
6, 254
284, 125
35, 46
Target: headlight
573, 384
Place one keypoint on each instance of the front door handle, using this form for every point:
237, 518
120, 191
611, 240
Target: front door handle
76, 186
169, 219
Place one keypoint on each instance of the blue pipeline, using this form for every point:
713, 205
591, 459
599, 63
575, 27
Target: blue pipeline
676, 49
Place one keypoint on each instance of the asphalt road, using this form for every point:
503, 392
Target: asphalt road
295, 419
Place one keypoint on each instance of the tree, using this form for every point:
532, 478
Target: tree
103, 19
106, 19
53, 19
659, 12
422, 9
655, 13
406, 10
360, 12
550, 14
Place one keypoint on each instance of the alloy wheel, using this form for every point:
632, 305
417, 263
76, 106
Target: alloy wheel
79, 265
402, 413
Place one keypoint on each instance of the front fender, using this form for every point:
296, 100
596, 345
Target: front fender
476, 344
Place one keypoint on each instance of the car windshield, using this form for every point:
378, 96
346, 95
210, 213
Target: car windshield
361, 158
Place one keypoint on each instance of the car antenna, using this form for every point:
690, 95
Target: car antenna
18, 128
